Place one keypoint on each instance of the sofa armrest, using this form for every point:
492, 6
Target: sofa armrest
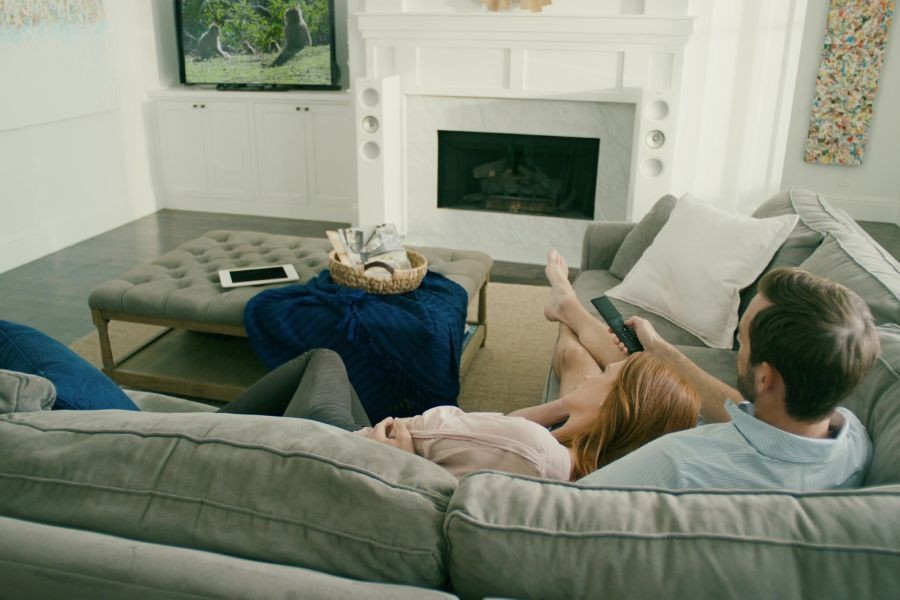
601, 242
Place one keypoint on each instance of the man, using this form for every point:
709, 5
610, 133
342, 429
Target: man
805, 344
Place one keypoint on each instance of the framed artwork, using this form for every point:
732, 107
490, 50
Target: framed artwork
55, 61
852, 57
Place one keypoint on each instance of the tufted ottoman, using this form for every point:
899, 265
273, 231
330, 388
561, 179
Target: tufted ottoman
204, 352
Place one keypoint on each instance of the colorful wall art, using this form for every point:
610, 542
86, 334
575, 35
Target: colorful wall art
41, 13
852, 56
55, 60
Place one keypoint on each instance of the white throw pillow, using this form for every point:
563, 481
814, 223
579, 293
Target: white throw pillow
694, 270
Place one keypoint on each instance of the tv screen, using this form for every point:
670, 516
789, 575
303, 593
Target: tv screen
266, 44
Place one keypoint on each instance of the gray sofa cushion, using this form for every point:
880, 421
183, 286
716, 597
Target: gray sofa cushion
23, 392
855, 262
803, 239
877, 404
642, 543
279, 490
640, 238
153, 402
43, 561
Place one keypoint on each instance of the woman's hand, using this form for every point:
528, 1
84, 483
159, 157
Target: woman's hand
393, 432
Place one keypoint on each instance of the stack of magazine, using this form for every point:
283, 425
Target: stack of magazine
377, 249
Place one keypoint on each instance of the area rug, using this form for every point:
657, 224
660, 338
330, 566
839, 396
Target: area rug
509, 372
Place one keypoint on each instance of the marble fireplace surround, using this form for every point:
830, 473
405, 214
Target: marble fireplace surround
569, 71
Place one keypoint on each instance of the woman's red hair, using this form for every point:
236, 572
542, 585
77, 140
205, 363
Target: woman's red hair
650, 399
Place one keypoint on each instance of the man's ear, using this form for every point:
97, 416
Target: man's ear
767, 378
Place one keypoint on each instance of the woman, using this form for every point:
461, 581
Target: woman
609, 414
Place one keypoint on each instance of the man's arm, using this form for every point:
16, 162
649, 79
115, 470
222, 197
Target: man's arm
713, 392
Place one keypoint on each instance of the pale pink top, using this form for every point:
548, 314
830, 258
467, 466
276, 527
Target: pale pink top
463, 442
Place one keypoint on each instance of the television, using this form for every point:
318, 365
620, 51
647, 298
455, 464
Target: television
257, 44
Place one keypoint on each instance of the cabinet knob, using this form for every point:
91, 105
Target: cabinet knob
202, 106
306, 109
195, 106
296, 108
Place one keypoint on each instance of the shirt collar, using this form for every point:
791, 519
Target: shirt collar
781, 445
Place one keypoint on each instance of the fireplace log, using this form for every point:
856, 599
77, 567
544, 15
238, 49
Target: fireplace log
490, 169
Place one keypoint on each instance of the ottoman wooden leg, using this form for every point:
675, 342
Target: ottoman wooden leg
105, 348
482, 310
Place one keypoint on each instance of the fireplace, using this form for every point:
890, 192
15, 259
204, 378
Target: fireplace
513, 173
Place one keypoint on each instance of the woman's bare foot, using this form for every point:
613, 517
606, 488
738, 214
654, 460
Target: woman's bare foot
561, 291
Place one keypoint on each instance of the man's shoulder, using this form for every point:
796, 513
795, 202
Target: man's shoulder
668, 460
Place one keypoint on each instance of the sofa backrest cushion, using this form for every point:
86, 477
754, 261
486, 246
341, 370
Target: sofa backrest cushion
862, 266
79, 385
640, 238
274, 489
829, 243
559, 540
803, 239
877, 404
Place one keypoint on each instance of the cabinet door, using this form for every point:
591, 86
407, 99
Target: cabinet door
229, 155
281, 153
333, 165
181, 148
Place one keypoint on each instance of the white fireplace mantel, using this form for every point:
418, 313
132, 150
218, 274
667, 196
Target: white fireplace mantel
570, 28
481, 58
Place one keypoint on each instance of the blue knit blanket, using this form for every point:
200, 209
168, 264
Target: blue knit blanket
402, 351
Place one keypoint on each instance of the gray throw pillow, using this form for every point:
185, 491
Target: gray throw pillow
22, 392
640, 238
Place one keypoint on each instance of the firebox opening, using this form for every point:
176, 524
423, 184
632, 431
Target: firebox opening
512, 173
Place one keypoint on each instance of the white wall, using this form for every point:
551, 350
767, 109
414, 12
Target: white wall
870, 191
69, 178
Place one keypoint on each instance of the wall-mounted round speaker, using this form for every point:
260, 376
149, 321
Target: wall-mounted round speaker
651, 168
656, 110
370, 124
371, 150
655, 139
369, 97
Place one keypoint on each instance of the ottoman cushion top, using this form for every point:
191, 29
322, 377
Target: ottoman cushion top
183, 284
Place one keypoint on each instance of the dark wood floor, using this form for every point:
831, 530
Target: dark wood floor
51, 293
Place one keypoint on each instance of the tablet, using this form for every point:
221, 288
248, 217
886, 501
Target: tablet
257, 275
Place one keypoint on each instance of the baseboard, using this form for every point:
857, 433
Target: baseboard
882, 209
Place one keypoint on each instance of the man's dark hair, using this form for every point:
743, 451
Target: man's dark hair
818, 334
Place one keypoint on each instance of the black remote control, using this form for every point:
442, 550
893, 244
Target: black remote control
614, 318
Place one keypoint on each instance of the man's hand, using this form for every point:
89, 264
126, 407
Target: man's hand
650, 340
712, 391
393, 432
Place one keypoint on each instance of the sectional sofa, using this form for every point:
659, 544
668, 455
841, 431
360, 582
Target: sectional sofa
163, 504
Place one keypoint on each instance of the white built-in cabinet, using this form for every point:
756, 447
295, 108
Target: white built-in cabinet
276, 154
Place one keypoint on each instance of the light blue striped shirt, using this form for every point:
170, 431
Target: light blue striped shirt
745, 453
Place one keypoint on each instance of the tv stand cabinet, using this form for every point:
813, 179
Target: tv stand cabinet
278, 154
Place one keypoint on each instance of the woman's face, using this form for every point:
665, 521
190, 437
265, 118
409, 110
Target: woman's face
584, 401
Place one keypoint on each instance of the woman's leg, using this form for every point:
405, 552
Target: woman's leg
325, 394
571, 362
313, 386
565, 308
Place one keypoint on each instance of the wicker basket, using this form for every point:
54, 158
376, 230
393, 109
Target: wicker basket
400, 282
